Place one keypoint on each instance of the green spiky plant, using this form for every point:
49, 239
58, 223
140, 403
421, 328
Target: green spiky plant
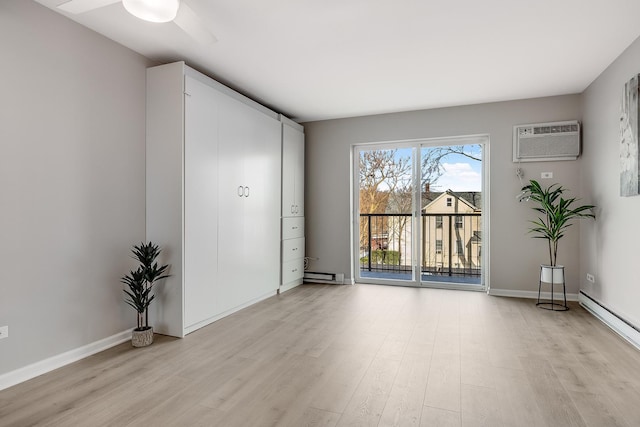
557, 214
141, 280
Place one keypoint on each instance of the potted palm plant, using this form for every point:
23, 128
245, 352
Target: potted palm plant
140, 289
556, 215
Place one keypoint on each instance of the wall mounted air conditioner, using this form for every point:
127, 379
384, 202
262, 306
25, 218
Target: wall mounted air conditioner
545, 142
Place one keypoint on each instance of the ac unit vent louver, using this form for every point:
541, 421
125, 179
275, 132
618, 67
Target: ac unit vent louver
546, 141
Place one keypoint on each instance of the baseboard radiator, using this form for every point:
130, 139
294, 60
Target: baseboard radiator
617, 323
329, 278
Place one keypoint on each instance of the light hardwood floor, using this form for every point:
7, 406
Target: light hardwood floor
354, 356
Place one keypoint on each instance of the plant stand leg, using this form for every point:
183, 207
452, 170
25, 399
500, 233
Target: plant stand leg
539, 287
552, 305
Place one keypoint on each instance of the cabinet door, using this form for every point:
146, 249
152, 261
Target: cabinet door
249, 194
232, 187
292, 171
200, 202
262, 211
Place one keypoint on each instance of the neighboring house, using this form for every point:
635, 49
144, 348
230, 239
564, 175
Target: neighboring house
451, 233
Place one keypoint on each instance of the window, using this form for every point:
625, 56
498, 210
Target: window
438, 246
459, 247
458, 221
438, 221
449, 202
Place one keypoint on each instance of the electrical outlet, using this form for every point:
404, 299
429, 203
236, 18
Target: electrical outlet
591, 278
4, 332
546, 175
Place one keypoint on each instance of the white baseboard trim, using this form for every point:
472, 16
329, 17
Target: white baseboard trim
47, 365
202, 324
288, 286
620, 326
531, 294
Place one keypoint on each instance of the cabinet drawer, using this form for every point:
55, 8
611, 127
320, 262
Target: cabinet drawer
292, 270
292, 249
292, 228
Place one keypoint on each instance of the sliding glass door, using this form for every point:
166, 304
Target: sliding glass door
420, 213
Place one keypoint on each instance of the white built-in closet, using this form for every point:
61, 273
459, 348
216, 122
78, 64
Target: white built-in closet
214, 197
293, 242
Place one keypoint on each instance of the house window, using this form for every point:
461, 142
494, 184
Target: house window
449, 202
458, 221
438, 221
459, 247
438, 246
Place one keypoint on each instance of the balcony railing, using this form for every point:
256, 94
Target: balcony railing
450, 244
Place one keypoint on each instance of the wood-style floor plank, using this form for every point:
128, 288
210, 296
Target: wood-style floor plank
353, 355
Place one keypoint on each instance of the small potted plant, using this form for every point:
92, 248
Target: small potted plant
140, 289
557, 214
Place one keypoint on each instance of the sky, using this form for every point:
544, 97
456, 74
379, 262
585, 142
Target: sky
460, 174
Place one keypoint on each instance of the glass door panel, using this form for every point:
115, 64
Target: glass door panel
451, 214
385, 214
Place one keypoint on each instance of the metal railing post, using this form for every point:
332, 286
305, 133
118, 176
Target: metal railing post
450, 243
369, 238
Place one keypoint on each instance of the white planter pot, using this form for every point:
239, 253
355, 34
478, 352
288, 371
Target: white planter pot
553, 275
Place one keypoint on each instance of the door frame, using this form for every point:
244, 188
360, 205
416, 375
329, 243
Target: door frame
416, 145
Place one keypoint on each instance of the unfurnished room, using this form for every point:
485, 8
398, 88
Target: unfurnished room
294, 213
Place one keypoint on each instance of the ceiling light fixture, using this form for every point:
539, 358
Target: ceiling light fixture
152, 10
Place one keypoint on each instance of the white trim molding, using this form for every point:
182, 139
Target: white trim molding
619, 325
47, 365
557, 296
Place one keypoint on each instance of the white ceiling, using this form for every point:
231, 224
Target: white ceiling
322, 59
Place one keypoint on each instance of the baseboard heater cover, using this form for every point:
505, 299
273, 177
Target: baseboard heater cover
618, 324
315, 277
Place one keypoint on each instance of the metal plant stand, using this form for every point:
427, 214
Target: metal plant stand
556, 278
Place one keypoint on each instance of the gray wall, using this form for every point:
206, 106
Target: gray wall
610, 246
515, 258
72, 112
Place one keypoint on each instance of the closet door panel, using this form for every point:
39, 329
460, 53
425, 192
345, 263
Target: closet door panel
231, 206
288, 176
200, 200
293, 172
262, 211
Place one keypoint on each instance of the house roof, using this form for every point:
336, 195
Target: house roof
473, 199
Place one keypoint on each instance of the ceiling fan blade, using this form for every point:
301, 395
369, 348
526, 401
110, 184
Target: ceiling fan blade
191, 24
81, 6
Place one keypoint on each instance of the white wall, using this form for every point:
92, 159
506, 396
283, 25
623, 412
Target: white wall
610, 246
515, 258
72, 113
